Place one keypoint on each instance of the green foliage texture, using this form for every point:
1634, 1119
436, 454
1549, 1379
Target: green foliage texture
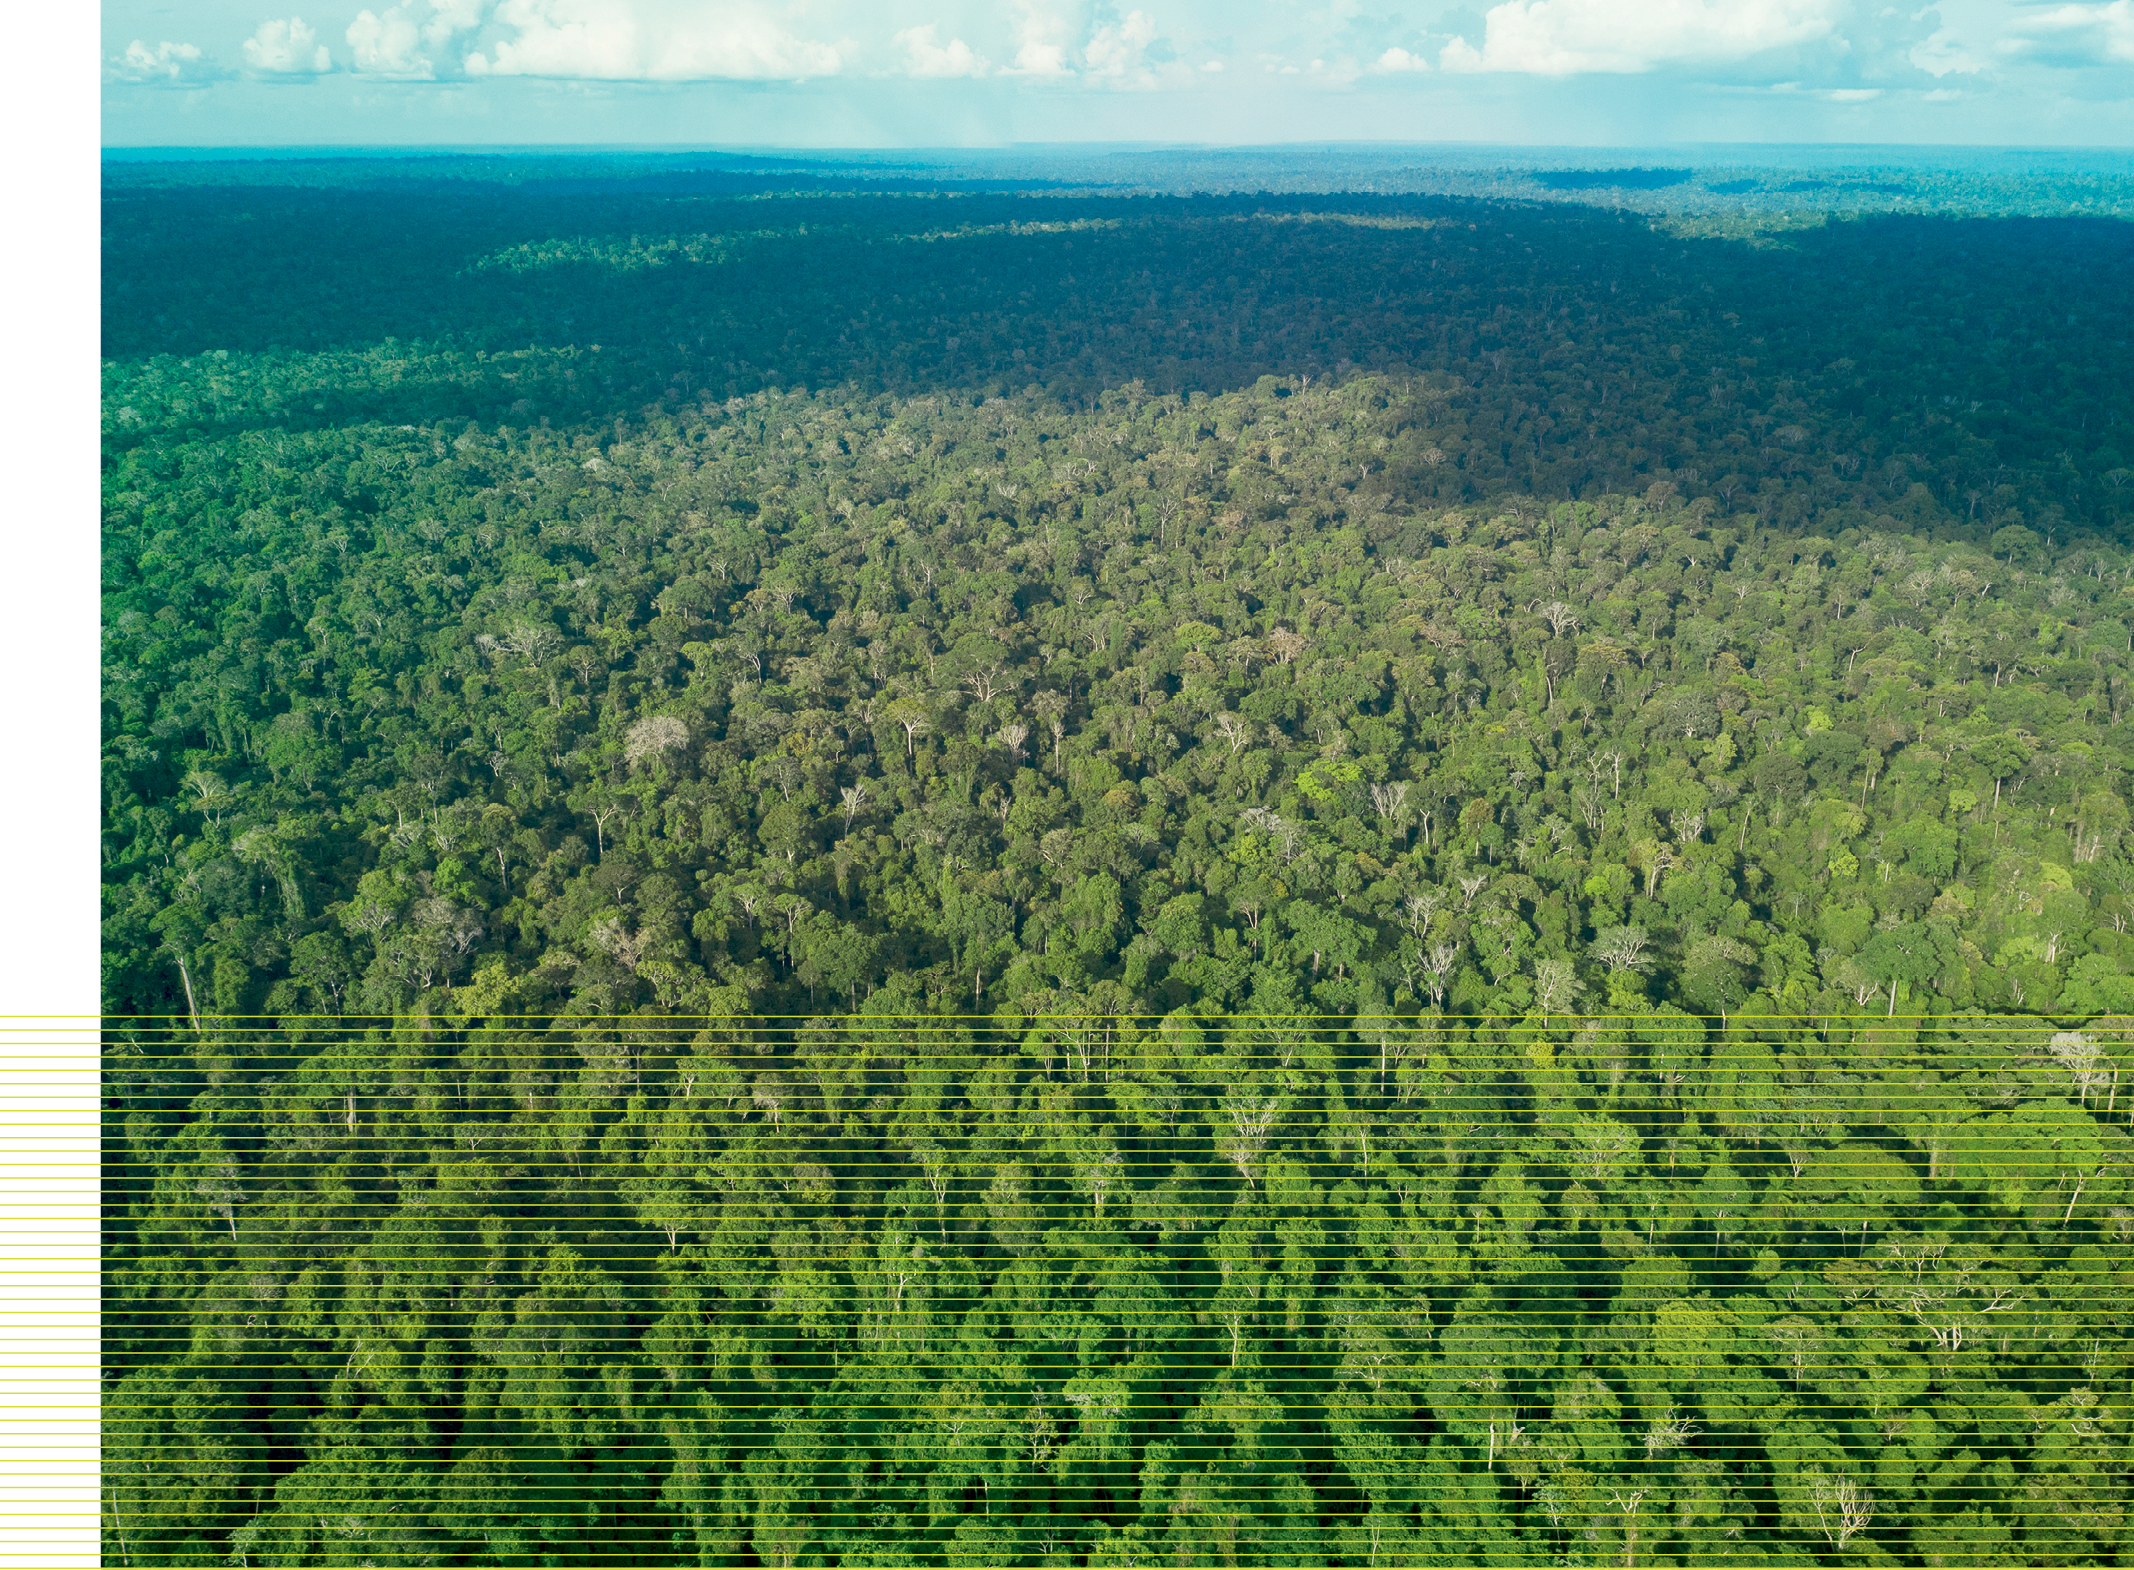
923, 874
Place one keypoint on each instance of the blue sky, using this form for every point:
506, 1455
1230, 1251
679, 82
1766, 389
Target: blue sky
856, 73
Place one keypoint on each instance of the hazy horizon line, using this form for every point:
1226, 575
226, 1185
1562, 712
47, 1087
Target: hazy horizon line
745, 149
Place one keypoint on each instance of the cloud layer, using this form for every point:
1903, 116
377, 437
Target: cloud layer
651, 41
288, 47
2077, 35
161, 65
976, 59
1569, 37
404, 40
924, 57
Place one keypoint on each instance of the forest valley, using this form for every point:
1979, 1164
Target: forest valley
993, 878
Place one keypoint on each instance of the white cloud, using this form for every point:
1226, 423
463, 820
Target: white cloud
1827, 95
650, 41
448, 17
2077, 35
165, 65
1115, 50
288, 48
388, 45
1041, 42
1460, 55
1395, 61
1566, 37
924, 57
1942, 52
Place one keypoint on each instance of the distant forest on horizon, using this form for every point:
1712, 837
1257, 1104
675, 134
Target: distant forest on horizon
814, 869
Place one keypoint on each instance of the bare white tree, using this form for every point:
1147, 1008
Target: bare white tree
531, 641
219, 1186
1284, 645
1418, 908
1275, 827
1051, 711
2083, 1059
1842, 1508
653, 735
1798, 1339
212, 793
1251, 1119
1440, 959
855, 799
1556, 984
1669, 1431
261, 847
618, 942
934, 1162
1560, 617
1097, 1174
1628, 1504
1621, 948
1591, 802
1848, 973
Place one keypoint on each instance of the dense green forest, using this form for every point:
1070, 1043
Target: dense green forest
806, 869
